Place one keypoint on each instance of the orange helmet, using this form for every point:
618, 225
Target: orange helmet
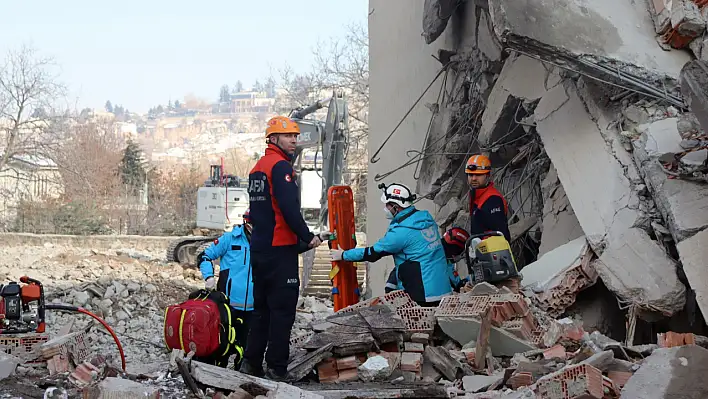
282, 125
478, 165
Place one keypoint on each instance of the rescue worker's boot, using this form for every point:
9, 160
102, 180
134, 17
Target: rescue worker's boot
273, 376
246, 368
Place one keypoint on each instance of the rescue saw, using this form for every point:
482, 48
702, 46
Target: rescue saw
489, 258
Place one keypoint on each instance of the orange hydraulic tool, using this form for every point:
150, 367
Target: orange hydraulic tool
345, 287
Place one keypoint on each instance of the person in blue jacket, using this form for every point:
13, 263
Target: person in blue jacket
414, 241
235, 275
453, 242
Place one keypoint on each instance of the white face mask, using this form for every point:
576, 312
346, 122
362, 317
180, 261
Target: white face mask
388, 213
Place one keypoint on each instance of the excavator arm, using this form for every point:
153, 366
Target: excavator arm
330, 138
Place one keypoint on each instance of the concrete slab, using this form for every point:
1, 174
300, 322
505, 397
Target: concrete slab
638, 270
473, 383
611, 29
521, 78
693, 253
540, 274
466, 329
559, 225
8, 365
677, 372
593, 179
682, 203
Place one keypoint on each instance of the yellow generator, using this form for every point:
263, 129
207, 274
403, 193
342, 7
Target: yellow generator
490, 259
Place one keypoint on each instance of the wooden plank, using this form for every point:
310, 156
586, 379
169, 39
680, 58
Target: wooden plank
218, 377
480, 354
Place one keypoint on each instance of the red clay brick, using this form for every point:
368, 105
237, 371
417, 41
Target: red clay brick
411, 362
348, 375
520, 379
349, 362
557, 351
619, 377
327, 370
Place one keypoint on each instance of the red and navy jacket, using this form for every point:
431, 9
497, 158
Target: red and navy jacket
488, 212
275, 202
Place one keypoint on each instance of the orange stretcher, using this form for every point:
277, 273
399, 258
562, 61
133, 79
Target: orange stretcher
345, 287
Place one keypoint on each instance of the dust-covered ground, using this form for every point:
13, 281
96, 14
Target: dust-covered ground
129, 289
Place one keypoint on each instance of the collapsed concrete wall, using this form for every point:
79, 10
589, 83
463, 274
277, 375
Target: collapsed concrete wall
546, 89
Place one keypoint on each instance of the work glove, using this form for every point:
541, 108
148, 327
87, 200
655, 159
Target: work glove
336, 254
210, 283
327, 236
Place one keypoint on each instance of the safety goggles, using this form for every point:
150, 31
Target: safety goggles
474, 168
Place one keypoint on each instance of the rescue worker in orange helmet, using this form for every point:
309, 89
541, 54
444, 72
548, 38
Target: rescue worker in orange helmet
488, 207
278, 228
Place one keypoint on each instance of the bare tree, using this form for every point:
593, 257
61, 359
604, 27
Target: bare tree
89, 161
28, 94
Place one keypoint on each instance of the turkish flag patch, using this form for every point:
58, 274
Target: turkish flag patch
288, 178
216, 242
396, 191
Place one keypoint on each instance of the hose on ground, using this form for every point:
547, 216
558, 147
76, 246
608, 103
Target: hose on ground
69, 308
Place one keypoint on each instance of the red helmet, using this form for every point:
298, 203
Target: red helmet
456, 236
247, 216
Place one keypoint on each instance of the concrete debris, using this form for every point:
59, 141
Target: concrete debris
557, 276
670, 373
435, 17
693, 252
8, 365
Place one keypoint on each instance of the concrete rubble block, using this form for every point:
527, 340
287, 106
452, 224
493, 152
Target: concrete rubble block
681, 203
638, 270
435, 16
606, 29
559, 275
677, 372
693, 253
544, 273
475, 383
686, 18
375, 368
118, 388
501, 342
8, 365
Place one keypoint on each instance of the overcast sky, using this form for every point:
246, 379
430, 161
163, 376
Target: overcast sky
143, 53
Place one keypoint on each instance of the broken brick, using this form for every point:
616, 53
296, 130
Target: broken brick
671, 339
521, 379
421, 338
619, 377
411, 362
327, 370
413, 347
348, 375
557, 351
349, 362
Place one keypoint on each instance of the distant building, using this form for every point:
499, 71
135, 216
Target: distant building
251, 101
27, 178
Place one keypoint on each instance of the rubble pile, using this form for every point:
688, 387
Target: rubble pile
487, 343
129, 289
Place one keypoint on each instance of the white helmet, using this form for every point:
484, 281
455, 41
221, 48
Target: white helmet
398, 194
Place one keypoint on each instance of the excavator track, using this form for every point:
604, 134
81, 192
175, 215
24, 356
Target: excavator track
184, 250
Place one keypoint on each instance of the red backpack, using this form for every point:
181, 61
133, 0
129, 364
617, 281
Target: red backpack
201, 324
